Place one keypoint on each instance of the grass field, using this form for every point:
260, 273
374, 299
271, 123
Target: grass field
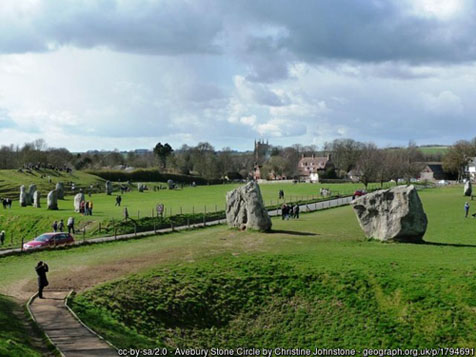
432, 150
11, 180
313, 282
29, 222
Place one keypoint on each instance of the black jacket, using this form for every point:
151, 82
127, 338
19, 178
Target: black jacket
41, 271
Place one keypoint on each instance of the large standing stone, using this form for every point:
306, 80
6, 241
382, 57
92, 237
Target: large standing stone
108, 187
140, 187
31, 191
245, 208
23, 196
60, 190
468, 189
394, 214
77, 201
36, 199
52, 200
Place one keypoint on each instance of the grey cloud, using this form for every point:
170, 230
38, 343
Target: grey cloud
312, 31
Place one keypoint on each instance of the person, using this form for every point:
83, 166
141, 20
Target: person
283, 211
55, 226
41, 270
296, 211
81, 207
86, 209
126, 213
61, 226
118, 200
90, 208
70, 224
2, 237
466, 209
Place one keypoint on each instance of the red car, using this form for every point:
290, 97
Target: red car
49, 240
358, 193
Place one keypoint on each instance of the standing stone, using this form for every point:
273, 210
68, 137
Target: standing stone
140, 187
468, 189
23, 196
31, 191
108, 187
394, 214
36, 199
245, 208
60, 190
52, 200
77, 201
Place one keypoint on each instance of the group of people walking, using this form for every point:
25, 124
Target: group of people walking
86, 208
59, 226
289, 211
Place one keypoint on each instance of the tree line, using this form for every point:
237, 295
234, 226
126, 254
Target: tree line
365, 160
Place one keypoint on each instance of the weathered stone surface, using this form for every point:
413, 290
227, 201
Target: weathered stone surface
52, 200
23, 196
468, 188
108, 187
36, 199
77, 201
31, 191
394, 214
245, 208
60, 190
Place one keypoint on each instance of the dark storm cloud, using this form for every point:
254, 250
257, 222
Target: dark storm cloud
311, 31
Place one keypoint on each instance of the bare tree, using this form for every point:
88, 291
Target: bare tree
368, 163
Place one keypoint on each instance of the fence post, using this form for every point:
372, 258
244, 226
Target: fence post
193, 209
188, 223
204, 221
115, 232
99, 227
172, 225
180, 209
155, 231
135, 230
22, 239
84, 233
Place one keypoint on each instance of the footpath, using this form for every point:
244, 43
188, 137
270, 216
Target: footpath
72, 338
303, 208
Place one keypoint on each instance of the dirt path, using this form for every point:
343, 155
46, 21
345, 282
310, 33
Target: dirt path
70, 336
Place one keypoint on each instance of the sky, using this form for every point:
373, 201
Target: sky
126, 74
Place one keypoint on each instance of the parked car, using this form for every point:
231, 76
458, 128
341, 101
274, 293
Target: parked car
358, 193
49, 240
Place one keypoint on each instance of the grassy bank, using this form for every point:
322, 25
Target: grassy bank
15, 336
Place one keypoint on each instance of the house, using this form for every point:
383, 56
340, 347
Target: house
310, 168
470, 169
354, 175
433, 171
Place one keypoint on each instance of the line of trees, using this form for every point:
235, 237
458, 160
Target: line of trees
370, 163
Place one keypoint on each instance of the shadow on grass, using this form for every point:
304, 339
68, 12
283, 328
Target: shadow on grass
296, 233
449, 244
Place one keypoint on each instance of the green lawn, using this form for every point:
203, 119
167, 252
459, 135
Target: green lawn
11, 180
314, 282
15, 339
29, 222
